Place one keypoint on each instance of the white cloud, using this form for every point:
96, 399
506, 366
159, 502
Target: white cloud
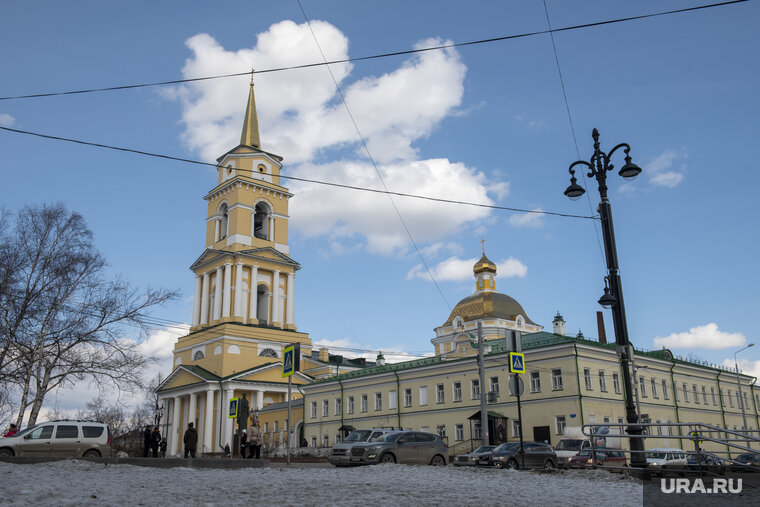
525, 119
345, 347
456, 270
701, 337
7, 120
661, 170
301, 117
527, 219
746, 367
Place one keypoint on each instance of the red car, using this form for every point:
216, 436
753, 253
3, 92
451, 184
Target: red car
614, 459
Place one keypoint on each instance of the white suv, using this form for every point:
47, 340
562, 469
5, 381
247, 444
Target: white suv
666, 460
88, 439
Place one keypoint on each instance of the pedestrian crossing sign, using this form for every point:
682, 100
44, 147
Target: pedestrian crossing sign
233, 409
516, 362
291, 359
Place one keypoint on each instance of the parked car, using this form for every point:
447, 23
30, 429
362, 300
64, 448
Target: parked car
341, 452
87, 439
710, 463
614, 459
664, 460
507, 455
748, 462
471, 458
410, 447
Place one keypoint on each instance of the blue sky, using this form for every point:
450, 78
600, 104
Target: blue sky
482, 123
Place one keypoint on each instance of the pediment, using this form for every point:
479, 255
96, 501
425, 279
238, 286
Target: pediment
210, 256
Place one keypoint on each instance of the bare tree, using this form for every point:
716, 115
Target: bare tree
61, 320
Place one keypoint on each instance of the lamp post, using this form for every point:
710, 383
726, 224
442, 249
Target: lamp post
158, 414
598, 166
739, 385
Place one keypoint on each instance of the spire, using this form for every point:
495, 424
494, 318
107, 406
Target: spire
250, 135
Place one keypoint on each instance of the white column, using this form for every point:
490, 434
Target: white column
227, 291
238, 289
226, 421
193, 409
218, 294
208, 424
253, 284
271, 228
174, 435
204, 299
197, 301
216, 230
259, 400
276, 297
290, 300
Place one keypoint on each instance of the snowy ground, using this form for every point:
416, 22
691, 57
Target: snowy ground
82, 483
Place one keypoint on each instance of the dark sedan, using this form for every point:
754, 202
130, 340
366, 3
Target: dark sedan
471, 458
535, 454
749, 462
710, 463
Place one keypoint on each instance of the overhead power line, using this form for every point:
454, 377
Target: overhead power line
296, 178
373, 57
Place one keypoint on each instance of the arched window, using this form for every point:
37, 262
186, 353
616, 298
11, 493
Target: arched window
261, 221
268, 353
198, 355
223, 219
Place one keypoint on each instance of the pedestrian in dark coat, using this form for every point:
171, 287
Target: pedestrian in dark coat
162, 447
155, 441
147, 440
190, 440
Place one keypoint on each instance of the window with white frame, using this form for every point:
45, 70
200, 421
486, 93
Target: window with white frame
516, 428
456, 391
325, 408
378, 401
556, 379
338, 406
440, 394
696, 394
587, 378
276, 426
602, 381
535, 382
458, 432
642, 386
392, 399
494, 385
616, 382
559, 424
704, 395
653, 384
665, 393
325, 441
407, 397
620, 420
477, 432
714, 398
313, 409
423, 396
606, 419
350, 405
266, 427
475, 388
363, 403
685, 392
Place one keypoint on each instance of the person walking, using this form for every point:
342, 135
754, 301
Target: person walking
190, 440
155, 441
243, 444
255, 440
147, 440
162, 447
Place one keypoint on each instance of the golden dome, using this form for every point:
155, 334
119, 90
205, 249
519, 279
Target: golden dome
483, 265
483, 305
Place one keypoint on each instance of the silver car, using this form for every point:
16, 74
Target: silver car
410, 447
341, 452
471, 458
88, 439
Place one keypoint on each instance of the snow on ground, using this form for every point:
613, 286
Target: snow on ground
75, 482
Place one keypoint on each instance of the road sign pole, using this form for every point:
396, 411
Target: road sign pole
515, 337
287, 437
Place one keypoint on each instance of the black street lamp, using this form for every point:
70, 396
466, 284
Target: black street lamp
598, 166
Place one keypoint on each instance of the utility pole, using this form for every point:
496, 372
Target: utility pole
482, 371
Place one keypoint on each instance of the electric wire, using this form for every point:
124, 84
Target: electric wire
297, 178
376, 56
374, 165
572, 125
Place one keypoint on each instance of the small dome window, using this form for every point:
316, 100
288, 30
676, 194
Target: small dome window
268, 353
198, 355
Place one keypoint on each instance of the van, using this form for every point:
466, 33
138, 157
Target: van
664, 460
341, 452
574, 441
77, 439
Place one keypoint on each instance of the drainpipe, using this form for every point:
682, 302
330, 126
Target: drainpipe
578, 379
398, 399
723, 412
341, 402
675, 398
